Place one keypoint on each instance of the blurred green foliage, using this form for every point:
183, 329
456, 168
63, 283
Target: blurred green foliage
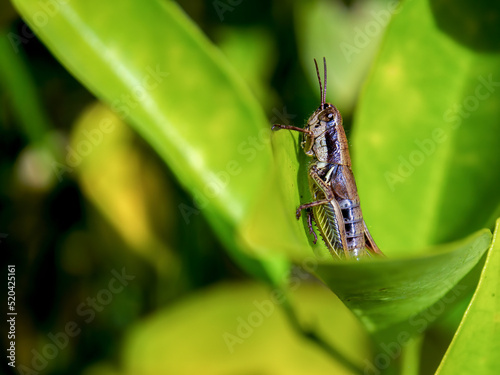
144, 199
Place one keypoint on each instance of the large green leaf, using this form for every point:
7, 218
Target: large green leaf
396, 293
241, 329
156, 70
146, 66
476, 344
426, 131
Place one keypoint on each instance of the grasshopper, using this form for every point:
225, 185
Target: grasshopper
336, 209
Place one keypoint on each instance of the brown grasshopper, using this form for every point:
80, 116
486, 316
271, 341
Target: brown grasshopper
335, 210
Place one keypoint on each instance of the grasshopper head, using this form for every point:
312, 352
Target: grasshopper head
324, 118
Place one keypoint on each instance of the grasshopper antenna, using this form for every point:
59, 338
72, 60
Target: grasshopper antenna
319, 80
323, 98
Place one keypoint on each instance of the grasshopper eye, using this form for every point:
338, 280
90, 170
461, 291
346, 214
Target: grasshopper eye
326, 117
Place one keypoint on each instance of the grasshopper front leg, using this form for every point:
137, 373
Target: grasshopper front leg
276, 127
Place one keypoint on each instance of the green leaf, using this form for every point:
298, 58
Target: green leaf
476, 344
16, 79
148, 84
241, 328
155, 69
426, 131
396, 292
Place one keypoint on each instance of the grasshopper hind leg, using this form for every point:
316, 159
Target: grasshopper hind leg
310, 219
370, 243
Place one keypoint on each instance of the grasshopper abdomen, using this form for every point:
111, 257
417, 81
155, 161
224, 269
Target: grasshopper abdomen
354, 227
